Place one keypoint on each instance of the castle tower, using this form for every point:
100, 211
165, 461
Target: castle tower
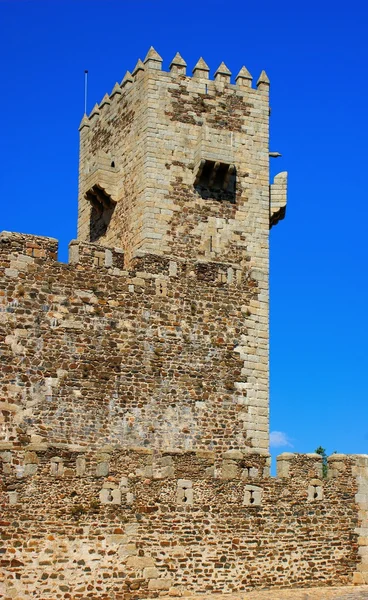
179, 166
156, 334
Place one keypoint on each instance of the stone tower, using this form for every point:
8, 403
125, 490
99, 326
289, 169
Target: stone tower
178, 167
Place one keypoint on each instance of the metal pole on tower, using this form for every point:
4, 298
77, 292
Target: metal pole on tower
85, 91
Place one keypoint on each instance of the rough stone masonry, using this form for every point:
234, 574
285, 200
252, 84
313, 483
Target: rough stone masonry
134, 401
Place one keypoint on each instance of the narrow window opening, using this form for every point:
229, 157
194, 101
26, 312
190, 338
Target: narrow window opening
315, 490
102, 209
216, 180
252, 496
113, 164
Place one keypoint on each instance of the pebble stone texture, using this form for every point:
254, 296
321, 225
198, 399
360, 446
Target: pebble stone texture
336, 593
134, 452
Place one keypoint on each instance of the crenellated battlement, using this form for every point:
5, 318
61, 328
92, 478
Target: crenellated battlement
24, 253
140, 462
200, 80
155, 512
19, 461
200, 471
163, 147
26, 249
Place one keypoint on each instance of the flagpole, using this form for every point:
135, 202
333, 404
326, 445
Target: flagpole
85, 90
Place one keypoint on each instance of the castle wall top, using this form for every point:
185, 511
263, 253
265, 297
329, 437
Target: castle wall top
153, 64
175, 165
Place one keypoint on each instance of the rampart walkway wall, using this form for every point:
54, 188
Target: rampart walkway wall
135, 524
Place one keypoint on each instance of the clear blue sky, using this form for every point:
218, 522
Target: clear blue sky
315, 54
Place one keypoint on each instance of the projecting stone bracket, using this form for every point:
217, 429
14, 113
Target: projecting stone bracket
278, 192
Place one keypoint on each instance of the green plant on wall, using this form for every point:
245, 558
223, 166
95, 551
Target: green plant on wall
322, 452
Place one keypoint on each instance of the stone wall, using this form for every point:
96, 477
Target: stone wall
137, 523
170, 354
134, 435
134, 380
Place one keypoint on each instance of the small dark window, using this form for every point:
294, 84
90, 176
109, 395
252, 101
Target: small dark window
113, 164
216, 180
102, 209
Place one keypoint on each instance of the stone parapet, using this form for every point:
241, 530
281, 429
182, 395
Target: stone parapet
20, 252
174, 521
291, 465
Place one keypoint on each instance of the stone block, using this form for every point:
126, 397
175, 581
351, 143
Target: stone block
57, 466
184, 483
31, 458
140, 562
315, 490
358, 578
229, 469
102, 469
124, 484
159, 584
166, 461
30, 469
283, 464
252, 496
80, 464
13, 497
6, 456
184, 494
126, 550
163, 472
13, 273
130, 498
233, 455
116, 538
150, 573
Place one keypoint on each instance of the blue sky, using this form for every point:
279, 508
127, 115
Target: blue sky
315, 54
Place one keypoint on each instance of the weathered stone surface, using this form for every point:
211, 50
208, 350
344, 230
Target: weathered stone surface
134, 380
